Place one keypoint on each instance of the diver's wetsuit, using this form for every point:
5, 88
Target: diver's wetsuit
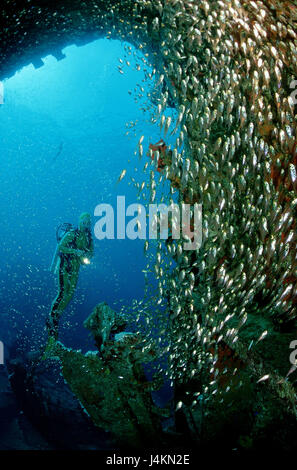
68, 274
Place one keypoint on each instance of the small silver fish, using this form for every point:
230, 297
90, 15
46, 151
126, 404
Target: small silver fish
264, 378
122, 175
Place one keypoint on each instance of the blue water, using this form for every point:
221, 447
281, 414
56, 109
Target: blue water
63, 147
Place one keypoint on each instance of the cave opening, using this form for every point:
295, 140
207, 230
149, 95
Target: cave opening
70, 127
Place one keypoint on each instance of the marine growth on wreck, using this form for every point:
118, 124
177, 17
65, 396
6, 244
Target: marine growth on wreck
217, 322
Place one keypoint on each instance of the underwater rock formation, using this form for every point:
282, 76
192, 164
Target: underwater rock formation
49, 416
102, 322
229, 66
113, 388
11, 433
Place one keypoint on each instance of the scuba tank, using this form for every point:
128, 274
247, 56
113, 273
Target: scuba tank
61, 231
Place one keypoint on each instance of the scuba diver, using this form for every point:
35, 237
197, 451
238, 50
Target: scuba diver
75, 248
